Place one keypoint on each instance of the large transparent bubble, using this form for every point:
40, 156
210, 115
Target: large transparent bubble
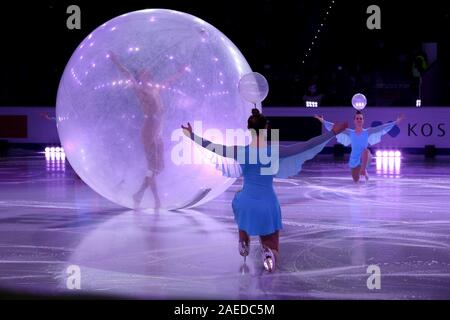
124, 94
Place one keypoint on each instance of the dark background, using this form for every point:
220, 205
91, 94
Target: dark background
273, 36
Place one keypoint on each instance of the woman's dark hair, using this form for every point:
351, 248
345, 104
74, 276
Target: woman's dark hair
358, 112
256, 121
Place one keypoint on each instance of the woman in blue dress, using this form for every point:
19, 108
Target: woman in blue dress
256, 208
359, 139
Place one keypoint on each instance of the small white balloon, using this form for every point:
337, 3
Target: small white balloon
359, 101
253, 87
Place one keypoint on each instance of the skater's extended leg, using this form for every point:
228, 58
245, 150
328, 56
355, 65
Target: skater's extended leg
355, 173
137, 197
366, 157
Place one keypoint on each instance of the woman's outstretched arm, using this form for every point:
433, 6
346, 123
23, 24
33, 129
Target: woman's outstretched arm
385, 127
299, 147
122, 69
343, 137
292, 157
375, 133
221, 150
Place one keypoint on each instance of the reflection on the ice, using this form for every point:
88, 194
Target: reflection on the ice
333, 229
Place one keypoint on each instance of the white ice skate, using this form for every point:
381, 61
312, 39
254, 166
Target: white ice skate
268, 259
244, 249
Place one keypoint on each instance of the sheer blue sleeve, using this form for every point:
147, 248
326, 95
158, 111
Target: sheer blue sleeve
218, 149
328, 125
223, 157
292, 157
375, 133
343, 137
229, 167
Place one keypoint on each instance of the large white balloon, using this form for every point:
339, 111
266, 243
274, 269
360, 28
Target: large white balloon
124, 94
